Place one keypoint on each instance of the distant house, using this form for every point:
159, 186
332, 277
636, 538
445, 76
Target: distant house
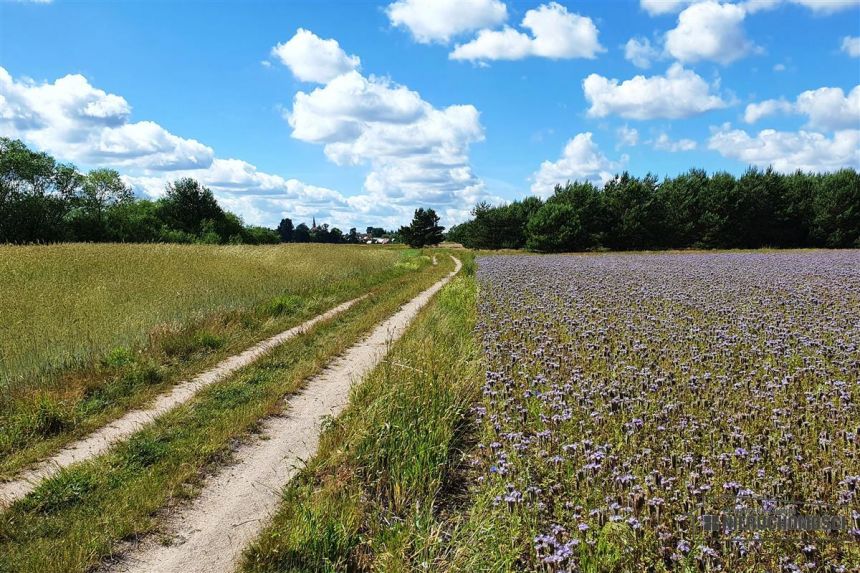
369, 239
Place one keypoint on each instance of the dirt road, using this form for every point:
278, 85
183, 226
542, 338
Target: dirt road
101, 440
210, 534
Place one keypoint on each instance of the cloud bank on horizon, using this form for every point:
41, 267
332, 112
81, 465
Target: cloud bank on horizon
419, 150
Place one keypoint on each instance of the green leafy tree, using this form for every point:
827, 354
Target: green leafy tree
554, 228
285, 230
231, 225
424, 229
100, 190
587, 202
501, 227
836, 219
133, 222
187, 204
262, 236
103, 188
301, 234
208, 235
631, 212
320, 234
682, 206
795, 212
35, 194
717, 199
463, 234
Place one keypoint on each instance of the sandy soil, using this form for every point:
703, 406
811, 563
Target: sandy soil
101, 440
210, 534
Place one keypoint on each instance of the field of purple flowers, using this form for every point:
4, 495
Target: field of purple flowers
628, 396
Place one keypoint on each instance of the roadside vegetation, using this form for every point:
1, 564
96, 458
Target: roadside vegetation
387, 483
80, 517
90, 331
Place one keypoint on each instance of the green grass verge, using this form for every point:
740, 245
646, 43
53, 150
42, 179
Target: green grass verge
79, 518
385, 488
40, 415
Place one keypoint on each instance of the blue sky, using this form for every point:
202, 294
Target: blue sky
358, 112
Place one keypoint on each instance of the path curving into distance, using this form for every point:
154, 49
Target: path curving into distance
102, 439
235, 504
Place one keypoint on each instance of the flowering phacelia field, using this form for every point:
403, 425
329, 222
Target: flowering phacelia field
628, 397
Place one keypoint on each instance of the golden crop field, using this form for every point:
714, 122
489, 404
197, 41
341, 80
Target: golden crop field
63, 303
90, 331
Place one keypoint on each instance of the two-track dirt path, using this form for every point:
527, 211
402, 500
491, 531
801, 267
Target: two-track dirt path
211, 532
102, 439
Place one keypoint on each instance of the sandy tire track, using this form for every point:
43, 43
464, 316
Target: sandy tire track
211, 532
102, 439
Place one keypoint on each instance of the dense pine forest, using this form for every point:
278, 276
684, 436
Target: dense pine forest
762, 208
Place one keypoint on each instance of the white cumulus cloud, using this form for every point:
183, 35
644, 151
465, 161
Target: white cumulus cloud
627, 136
678, 94
555, 33
826, 108
756, 111
416, 153
581, 160
851, 46
262, 198
440, 20
788, 151
816, 6
660, 7
640, 52
78, 122
665, 143
75, 121
709, 31
830, 108
312, 59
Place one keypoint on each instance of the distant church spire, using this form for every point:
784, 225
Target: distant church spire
314, 225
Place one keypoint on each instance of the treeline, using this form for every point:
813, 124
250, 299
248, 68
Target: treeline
762, 208
44, 201
301, 233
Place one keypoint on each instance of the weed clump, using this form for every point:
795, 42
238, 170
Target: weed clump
60, 492
286, 304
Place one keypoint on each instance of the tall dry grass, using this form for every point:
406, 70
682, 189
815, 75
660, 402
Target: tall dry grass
91, 331
61, 304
